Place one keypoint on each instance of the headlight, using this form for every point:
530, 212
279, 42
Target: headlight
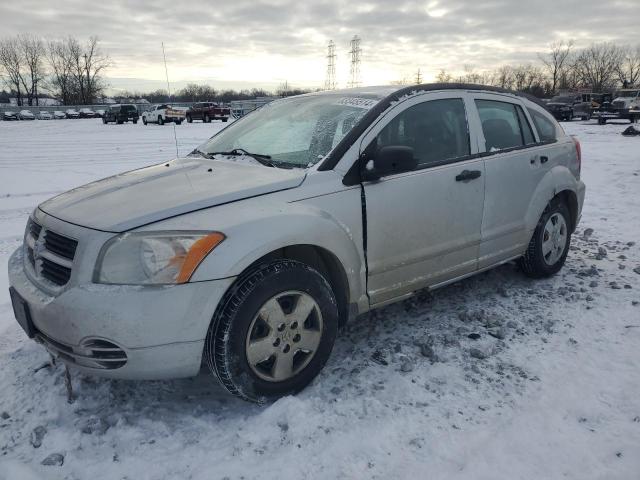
154, 258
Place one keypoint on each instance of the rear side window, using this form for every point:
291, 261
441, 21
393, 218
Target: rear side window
504, 125
436, 130
547, 130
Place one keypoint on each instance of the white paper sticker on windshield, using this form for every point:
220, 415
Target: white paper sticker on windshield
357, 102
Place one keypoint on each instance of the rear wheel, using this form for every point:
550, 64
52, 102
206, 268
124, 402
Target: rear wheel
207, 119
273, 331
189, 119
160, 121
549, 245
602, 121
144, 120
104, 120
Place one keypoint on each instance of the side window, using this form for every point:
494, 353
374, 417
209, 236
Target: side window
545, 127
436, 130
501, 125
525, 128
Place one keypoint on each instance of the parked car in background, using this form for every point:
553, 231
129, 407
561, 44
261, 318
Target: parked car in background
44, 115
59, 115
121, 113
248, 255
164, 113
561, 106
72, 113
26, 115
100, 113
8, 115
87, 113
207, 111
624, 106
589, 104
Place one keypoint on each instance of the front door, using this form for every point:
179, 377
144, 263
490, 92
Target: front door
423, 226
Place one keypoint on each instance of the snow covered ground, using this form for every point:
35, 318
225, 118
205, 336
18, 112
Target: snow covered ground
406, 394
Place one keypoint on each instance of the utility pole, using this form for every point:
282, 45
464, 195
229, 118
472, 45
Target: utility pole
330, 80
355, 52
418, 77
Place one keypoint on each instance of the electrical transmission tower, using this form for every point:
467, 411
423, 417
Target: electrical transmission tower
355, 52
418, 77
330, 81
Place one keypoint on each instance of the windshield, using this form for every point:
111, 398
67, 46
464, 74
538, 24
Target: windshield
628, 93
295, 132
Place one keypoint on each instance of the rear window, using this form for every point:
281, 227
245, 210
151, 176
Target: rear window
504, 125
546, 128
128, 108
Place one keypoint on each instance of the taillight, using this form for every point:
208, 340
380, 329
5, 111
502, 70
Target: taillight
578, 153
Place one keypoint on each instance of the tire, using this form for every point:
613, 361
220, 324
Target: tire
178, 122
104, 120
225, 119
280, 284
189, 119
206, 119
160, 121
144, 120
602, 121
119, 122
135, 121
536, 262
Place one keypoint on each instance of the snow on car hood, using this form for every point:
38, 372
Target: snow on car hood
150, 194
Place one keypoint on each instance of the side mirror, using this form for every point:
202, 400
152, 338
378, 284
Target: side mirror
389, 160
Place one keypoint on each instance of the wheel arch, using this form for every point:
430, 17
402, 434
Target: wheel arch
322, 260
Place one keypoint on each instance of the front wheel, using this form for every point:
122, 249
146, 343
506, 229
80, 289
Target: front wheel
273, 331
160, 121
602, 121
206, 119
189, 119
549, 245
104, 120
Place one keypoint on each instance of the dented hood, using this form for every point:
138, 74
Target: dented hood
150, 194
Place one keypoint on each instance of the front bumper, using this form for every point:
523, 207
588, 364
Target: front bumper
158, 331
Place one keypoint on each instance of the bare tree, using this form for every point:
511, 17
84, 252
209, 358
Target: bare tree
32, 51
60, 62
444, 77
12, 65
596, 66
557, 60
94, 63
628, 70
76, 70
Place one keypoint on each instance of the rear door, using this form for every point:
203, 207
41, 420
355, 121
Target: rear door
515, 163
423, 226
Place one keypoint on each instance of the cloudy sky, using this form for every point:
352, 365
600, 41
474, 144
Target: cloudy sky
265, 42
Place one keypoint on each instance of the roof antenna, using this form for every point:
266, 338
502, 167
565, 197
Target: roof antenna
175, 136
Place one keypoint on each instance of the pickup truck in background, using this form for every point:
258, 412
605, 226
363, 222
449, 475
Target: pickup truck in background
207, 111
162, 114
625, 105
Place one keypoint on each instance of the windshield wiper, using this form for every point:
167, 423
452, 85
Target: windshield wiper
198, 152
263, 159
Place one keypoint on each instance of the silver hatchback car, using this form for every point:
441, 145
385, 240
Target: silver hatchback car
249, 253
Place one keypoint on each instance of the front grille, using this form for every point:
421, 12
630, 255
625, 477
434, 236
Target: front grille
63, 246
50, 254
619, 104
93, 353
54, 272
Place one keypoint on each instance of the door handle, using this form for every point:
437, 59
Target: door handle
468, 175
544, 159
